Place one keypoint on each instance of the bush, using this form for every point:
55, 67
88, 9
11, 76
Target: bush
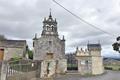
108, 68
72, 68
119, 69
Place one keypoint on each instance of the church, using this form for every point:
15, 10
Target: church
50, 49
49, 45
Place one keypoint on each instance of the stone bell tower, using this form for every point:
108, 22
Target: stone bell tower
49, 45
49, 27
97, 60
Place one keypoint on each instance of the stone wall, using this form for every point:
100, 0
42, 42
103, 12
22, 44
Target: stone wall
23, 76
62, 66
3, 71
97, 65
51, 67
48, 44
48, 68
13, 52
95, 52
84, 65
24, 70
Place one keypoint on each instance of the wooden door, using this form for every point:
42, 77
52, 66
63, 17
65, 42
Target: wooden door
49, 55
1, 54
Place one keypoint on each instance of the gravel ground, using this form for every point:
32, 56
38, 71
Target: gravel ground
109, 75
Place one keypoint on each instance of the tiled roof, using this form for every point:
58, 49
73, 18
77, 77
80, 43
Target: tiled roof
12, 43
94, 46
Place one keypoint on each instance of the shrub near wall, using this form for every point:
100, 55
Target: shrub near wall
115, 68
108, 68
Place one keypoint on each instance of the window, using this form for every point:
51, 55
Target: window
86, 62
83, 62
49, 55
52, 28
50, 42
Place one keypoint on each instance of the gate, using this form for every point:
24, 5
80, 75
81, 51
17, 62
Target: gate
72, 63
23, 70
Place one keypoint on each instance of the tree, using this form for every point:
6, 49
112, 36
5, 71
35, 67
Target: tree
29, 52
116, 45
2, 37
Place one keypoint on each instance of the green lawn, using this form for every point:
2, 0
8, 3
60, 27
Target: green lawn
72, 65
113, 67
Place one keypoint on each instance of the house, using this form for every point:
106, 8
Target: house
90, 60
12, 48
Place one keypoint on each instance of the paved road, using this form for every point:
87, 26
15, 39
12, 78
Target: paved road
109, 75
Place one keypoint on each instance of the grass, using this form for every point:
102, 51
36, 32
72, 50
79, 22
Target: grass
72, 65
113, 67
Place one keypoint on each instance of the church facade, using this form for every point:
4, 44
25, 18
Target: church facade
49, 44
50, 49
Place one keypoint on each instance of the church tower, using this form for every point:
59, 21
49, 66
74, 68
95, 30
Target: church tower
97, 60
49, 45
49, 27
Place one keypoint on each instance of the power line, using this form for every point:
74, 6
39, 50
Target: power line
82, 19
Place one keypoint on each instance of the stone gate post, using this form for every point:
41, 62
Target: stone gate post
4, 70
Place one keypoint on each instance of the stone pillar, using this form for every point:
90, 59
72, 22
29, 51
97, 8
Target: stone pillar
97, 65
4, 71
79, 66
62, 66
48, 68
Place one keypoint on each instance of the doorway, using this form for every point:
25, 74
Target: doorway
1, 54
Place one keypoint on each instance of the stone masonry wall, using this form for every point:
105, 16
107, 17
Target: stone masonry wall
84, 65
48, 70
46, 45
13, 52
97, 65
62, 66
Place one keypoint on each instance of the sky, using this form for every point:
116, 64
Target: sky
21, 19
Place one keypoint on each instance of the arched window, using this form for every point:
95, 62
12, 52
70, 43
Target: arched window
52, 28
50, 42
47, 28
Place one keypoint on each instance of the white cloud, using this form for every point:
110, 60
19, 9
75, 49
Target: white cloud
21, 19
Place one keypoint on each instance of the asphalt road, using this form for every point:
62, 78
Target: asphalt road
109, 75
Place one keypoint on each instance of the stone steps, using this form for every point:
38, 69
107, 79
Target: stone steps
72, 72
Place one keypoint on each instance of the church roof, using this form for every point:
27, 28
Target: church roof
13, 43
94, 46
50, 19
